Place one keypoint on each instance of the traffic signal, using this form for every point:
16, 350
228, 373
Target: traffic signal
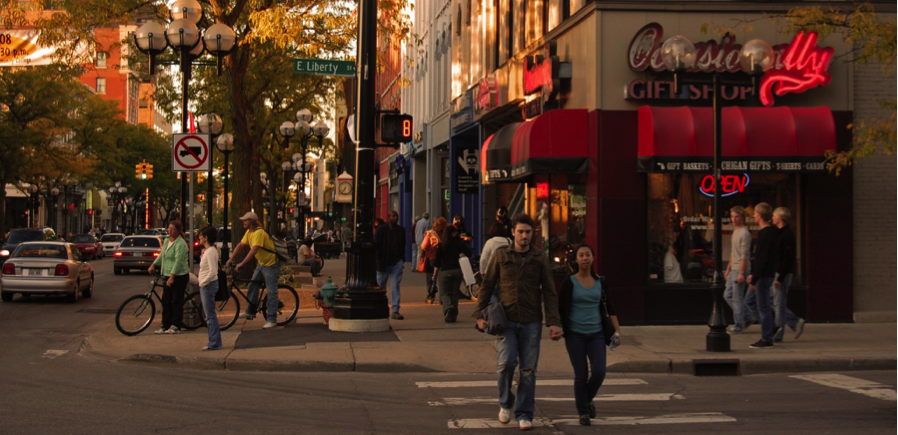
90, 212
149, 171
395, 128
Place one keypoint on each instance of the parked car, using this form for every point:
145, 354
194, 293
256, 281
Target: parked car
136, 252
147, 232
90, 247
110, 242
47, 268
21, 235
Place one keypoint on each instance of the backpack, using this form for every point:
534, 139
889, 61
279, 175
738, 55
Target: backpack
224, 292
280, 248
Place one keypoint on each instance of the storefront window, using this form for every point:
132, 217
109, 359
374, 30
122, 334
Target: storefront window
557, 204
680, 228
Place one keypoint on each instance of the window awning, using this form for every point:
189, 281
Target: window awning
754, 139
495, 155
552, 143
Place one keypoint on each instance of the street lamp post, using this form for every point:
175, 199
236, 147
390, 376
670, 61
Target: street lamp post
756, 57
297, 178
32, 206
55, 193
263, 178
210, 123
287, 167
225, 144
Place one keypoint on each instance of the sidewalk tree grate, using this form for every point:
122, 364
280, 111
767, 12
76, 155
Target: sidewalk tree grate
716, 367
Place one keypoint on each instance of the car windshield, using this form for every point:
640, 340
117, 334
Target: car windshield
40, 251
19, 236
146, 233
140, 242
112, 238
83, 238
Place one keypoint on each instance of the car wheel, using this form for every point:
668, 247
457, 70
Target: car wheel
87, 293
7, 296
117, 270
73, 297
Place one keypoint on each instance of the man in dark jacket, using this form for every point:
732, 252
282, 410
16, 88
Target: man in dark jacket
389, 239
785, 266
763, 271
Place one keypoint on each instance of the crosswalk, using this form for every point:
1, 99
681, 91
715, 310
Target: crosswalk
852, 384
468, 398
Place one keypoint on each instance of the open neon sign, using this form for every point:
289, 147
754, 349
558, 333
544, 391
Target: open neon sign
729, 184
805, 66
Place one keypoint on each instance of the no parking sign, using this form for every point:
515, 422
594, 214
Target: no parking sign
191, 153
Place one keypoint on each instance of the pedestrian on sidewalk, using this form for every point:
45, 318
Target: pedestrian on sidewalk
346, 236
389, 239
737, 270
459, 223
208, 279
173, 263
305, 256
429, 246
579, 303
448, 271
497, 237
268, 268
414, 245
763, 272
522, 277
418, 234
785, 265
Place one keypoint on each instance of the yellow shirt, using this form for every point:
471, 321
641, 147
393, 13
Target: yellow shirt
265, 255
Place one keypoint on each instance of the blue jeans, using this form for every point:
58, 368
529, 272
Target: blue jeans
734, 295
312, 263
750, 308
394, 274
270, 275
783, 315
579, 348
207, 294
763, 288
520, 342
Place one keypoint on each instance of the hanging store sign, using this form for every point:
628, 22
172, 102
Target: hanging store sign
462, 111
664, 90
467, 170
730, 184
543, 76
689, 164
487, 97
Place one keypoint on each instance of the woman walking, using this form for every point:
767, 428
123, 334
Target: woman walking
429, 248
579, 303
209, 285
446, 267
173, 263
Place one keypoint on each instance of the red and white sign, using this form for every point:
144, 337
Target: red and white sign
190, 152
730, 184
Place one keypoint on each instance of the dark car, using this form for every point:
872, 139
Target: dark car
21, 235
90, 247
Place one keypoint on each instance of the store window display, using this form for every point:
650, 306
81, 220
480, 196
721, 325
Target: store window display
557, 203
680, 227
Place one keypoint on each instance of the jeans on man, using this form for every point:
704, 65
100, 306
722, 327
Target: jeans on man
763, 287
734, 296
270, 275
207, 295
394, 275
414, 258
784, 316
750, 308
579, 348
519, 343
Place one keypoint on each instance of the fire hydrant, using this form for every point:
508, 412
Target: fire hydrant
325, 298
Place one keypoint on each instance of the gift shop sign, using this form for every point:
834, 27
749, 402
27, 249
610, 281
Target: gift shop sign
543, 76
799, 66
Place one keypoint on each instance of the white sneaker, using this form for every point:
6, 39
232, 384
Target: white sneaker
269, 325
525, 424
799, 328
160, 331
504, 415
173, 330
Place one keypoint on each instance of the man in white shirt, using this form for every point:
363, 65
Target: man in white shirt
737, 270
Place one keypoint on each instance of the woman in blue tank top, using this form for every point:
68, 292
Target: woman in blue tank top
579, 303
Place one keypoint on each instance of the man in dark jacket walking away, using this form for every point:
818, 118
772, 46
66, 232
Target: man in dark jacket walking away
785, 266
389, 239
521, 277
763, 271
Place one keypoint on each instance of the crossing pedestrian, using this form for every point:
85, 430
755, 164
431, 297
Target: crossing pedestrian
172, 261
579, 304
389, 239
419, 233
521, 276
785, 265
268, 268
208, 278
447, 269
737, 270
429, 246
414, 246
763, 272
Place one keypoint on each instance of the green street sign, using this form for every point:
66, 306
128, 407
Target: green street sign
446, 194
342, 68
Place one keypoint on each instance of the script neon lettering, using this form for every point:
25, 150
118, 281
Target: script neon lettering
804, 67
729, 184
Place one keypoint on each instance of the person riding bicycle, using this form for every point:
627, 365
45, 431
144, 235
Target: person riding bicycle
262, 248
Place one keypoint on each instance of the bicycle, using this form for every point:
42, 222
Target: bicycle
138, 311
288, 305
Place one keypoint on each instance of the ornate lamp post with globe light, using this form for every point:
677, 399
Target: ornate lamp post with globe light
225, 144
210, 123
756, 57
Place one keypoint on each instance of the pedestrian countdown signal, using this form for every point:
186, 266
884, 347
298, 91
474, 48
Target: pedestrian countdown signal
396, 128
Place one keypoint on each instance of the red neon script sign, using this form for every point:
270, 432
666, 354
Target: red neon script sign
729, 184
804, 66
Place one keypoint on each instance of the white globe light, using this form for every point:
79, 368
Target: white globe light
678, 53
303, 127
263, 176
321, 129
286, 166
756, 57
225, 143
187, 10
297, 177
287, 129
304, 115
297, 157
150, 37
210, 123
219, 38
182, 34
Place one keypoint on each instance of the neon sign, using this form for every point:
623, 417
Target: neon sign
541, 80
804, 67
729, 184
542, 190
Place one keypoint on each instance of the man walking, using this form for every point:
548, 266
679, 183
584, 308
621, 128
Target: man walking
262, 248
737, 269
522, 279
420, 232
785, 265
389, 240
763, 270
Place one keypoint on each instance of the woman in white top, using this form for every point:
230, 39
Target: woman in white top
209, 285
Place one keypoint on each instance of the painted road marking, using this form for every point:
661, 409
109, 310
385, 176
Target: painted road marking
548, 383
699, 417
53, 353
655, 397
855, 385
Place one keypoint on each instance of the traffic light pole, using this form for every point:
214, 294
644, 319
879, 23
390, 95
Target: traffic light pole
361, 305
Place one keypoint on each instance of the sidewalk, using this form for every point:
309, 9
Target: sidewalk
423, 342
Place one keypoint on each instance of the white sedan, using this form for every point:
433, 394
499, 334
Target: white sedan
111, 241
47, 268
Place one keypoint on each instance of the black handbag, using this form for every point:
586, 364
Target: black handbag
607, 324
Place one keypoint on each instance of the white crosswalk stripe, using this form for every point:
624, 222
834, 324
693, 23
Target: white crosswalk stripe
539, 383
657, 397
692, 417
855, 385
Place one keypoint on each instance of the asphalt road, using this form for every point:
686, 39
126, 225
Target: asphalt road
48, 388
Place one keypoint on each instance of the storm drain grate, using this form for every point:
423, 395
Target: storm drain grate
716, 367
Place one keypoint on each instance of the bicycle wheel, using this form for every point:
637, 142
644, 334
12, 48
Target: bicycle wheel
135, 314
194, 317
288, 304
227, 311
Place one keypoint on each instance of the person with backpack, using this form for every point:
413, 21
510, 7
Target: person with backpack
208, 279
268, 268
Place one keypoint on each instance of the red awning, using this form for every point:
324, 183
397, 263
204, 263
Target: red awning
754, 139
552, 143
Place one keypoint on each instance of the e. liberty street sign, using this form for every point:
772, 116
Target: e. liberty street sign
342, 68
